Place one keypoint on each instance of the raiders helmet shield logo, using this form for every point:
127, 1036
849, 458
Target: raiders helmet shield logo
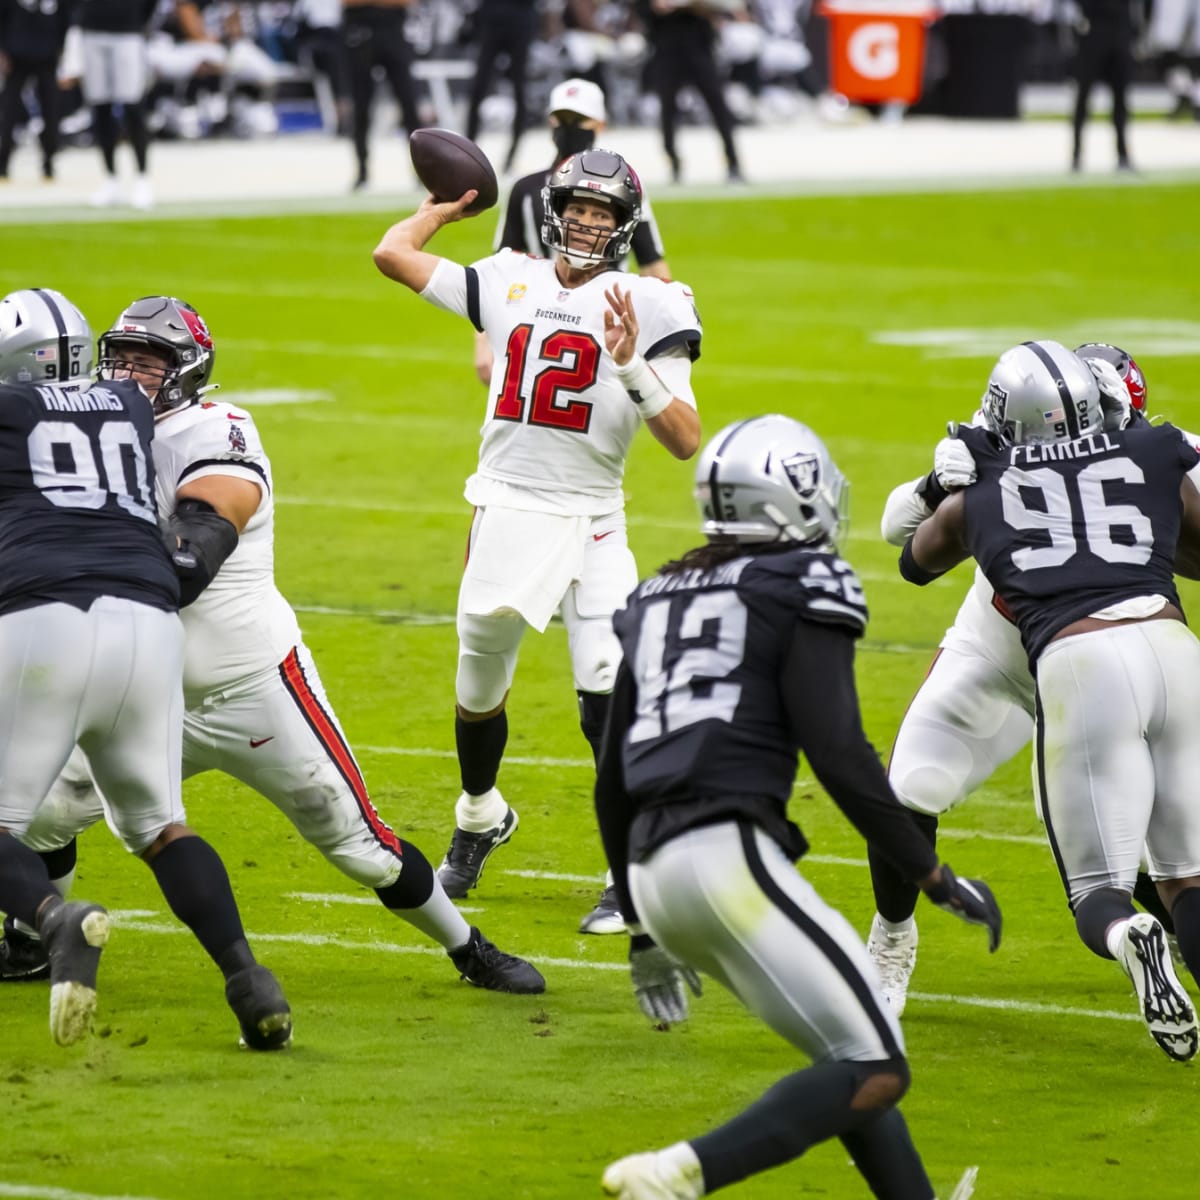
237, 440
995, 403
804, 470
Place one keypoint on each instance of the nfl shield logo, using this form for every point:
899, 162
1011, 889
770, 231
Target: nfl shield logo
804, 470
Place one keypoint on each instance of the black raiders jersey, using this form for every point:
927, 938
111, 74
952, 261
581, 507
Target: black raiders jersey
1064, 529
706, 653
77, 517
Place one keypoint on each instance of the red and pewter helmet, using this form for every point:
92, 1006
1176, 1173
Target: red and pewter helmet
171, 327
599, 176
1131, 374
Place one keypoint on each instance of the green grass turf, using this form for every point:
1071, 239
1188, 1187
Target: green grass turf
404, 1081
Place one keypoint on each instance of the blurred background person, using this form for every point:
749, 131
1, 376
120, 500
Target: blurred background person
502, 31
116, 76
373, 36
317, 38
1174, 37
32, 33
1105, 55
682, 34
577, 114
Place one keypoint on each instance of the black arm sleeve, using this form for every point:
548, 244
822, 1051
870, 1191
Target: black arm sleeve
199, 540
912, 570
615, 808
826, 721
647, 249
512, 232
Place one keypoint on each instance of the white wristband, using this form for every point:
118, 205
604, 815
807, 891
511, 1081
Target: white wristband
646, 390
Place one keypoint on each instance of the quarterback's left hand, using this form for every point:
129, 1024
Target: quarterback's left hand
620, 325
658, 981
970, 900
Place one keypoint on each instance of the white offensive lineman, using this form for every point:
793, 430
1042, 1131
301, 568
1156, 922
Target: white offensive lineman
582, 356
255, 706
975, 709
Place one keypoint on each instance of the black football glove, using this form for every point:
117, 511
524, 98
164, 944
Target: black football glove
970, 900
658, 981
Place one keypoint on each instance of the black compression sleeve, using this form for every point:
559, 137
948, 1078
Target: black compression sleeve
821, 700
198, 540
911, 570
615, 808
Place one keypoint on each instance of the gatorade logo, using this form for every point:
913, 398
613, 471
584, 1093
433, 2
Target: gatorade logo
874, 50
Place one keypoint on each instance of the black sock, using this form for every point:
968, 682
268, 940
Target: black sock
24, 883
480, 749
798, 1112
886, 1158
1146, 894
1186, 911
1096, 912
60, 862
415, 885
593, 714
895, 896
196, 885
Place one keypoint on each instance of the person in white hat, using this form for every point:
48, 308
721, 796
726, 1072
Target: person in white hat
577, 114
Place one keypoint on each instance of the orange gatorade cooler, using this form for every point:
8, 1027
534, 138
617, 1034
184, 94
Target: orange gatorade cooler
877, 48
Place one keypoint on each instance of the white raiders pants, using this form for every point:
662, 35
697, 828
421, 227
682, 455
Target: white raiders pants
276, 732
725, 899
1118, 754
108, 679
115, 67
520, 568
967, 719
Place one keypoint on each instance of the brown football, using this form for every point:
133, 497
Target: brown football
449, 164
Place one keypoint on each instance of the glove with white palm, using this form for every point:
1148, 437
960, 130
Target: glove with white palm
658, 981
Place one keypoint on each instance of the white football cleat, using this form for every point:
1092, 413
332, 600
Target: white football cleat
108, 193
143, 194
895, 956
1165, 1006
670, 1174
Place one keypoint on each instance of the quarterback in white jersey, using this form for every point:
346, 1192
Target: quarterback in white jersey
254, 704
975, 709
582, 356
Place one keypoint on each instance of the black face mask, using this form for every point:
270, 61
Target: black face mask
572, 139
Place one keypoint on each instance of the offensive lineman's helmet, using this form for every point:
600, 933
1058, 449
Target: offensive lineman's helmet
771, 479
171, 327
1130, 373
1041, 392
44, 338
596, 175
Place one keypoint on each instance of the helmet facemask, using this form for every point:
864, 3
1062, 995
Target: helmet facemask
169, 328
597, 176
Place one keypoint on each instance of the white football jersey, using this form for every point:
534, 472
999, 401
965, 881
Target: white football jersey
559, 423
240, 623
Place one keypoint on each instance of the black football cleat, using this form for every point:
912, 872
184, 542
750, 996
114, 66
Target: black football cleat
463, 865
262, 1011
74, 934
23, 958
487, 966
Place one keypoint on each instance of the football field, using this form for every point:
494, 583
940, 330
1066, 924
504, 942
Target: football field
875, 319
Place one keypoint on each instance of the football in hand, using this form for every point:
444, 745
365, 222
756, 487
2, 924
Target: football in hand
449, 164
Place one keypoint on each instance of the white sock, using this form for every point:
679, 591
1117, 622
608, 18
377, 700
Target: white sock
478, 814
1116, 935
896, 928
439, 919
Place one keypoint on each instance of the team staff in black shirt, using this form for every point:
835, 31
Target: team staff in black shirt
32, 33
735, 658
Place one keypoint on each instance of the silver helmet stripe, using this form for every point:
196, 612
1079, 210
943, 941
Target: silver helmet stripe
64, 346
1064, 390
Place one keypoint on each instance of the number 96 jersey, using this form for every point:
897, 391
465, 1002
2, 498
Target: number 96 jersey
559, 423
707, 650
1065, 529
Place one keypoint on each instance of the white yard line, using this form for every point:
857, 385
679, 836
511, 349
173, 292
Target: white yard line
29, 1192
328, 898
130, 921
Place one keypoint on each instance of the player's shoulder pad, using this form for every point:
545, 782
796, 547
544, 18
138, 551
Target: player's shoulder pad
216, 430
669, 316
820, 585
980, 441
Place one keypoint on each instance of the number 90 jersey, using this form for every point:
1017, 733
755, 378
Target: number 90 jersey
559, 422
77, 517
706, 650
1065, 529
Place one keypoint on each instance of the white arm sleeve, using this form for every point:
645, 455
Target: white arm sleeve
674, 368
902, 513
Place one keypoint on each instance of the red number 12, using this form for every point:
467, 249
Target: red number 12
548, 384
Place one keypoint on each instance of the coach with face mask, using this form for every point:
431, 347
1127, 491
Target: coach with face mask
577, 115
